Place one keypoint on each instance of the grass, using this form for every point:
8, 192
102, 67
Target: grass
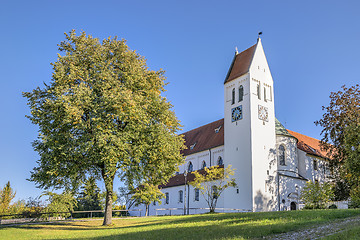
206, 226
352, 232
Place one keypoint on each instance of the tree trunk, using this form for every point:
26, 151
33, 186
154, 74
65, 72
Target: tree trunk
109, 198
147, 210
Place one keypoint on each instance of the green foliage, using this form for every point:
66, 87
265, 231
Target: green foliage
7, 194
89, 198
332, 206
63, 203
146, 194
213, 183
341, 134
103, 113
355, 197
316, 195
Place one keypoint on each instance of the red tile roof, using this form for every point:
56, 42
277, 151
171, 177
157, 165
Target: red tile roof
308, 144
204, 137
240, 64
179, 180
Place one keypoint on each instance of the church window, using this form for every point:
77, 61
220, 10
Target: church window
282, 155
203, 165
220, 161
215, 192
258, 91
197, 194
233, 96
315, 164
154, 203
190, 167
181, 196
265, 94
241, 93
167, 198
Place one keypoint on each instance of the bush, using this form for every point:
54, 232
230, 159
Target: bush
316, 195
332, 206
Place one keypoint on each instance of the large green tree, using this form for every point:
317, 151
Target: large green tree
341, 134
102, 114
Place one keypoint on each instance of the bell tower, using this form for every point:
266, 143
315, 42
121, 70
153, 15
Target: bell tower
249, 139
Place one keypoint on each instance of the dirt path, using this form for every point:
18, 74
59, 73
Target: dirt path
318, 232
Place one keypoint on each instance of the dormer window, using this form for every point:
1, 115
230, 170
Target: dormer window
241, 93
233, 96
192, 146
218, 129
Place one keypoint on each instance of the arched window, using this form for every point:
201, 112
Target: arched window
190, 167
181, 196
167, 198
258, 91
197, 194
203, 165
282, 155
241, 93
220, 161
233, 96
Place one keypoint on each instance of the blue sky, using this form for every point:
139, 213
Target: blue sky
312, 48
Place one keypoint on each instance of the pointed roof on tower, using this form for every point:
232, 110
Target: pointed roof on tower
240, 64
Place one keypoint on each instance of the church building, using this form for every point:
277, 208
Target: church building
272, 164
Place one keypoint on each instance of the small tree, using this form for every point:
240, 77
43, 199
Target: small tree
125, 197
89, 197
7, 194
316, 195
63, 203
213, 183
146, 194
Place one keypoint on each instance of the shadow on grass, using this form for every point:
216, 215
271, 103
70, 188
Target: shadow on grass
206, 226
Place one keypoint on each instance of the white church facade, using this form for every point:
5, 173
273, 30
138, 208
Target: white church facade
272, 164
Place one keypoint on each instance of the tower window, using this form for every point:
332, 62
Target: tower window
233, 96
265, 94
282, 155
241, 93
258, 91
315, 164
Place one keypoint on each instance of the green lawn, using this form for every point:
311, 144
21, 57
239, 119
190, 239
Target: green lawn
206, 226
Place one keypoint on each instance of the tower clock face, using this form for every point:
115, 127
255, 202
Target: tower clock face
236, 113
263, 113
